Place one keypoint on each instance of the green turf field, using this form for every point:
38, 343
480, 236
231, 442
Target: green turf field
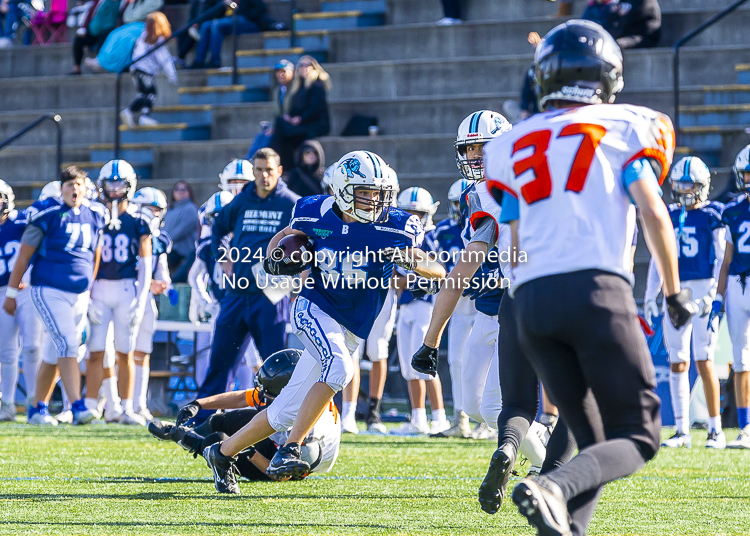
118, 480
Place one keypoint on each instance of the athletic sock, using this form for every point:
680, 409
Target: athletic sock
348, 410
419, 417
127, 405
8, 380
373, 410
91, 403
714, 424
438, 415
140, 393
679, 388
743, 416
112, 400
31, 360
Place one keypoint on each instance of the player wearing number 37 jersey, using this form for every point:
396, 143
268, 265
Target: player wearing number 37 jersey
568, 180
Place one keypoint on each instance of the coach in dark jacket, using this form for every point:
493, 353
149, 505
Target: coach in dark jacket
633, 24
260, 210
305, 112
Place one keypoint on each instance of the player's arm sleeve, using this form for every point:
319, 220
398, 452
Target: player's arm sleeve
652, 139
161, 270
196, 279
486, 231
32, 236
510, 209
222, 227
640, 170
252, 398
653, 282
145, 269
504, 238
720, 237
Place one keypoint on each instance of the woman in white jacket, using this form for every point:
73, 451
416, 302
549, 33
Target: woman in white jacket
144, 72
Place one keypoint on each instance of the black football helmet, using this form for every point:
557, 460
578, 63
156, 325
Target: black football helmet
577, 61
275, 372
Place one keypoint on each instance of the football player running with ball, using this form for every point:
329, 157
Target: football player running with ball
572, 177
64, 233
358, 238
700, 251
122, 286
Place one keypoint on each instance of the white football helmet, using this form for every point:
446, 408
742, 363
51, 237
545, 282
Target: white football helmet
363, 178
117, 180
691, 181
327, 181
152, 197
741, 165
236, 170
92, 192
211, 208
7, 198
454, 199
51, 189
480, 127
394, 177
418, 200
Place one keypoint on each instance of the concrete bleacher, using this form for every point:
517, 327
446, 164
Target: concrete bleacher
419, 79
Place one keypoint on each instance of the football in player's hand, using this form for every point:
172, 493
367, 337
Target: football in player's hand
294, 247
292, 255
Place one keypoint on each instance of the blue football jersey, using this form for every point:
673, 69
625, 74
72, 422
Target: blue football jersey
695, 242
120, 247
65, 258
449, 242
428, 245
10, 243
215, 273
736, 217
350, 281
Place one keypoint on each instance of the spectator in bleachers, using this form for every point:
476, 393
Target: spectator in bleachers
100, 21
251, 18
529, 101
305, 110
138, 10
634, 24
282, 78
145, 71
181, 223
12, 14
187, 41
305, 179
451, 13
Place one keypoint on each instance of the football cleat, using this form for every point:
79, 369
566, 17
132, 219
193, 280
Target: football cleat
82, 414
349, 426
543, 507
146, 414
716, 440
288, 462
460, 428
495, 483
483, 431
39, 414
225, 473
132, 419
411, 429
678, 440
161, 431
64, 417
742, 441
112, 415
7, 412
377, 428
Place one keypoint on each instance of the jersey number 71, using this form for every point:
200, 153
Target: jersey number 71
541, 187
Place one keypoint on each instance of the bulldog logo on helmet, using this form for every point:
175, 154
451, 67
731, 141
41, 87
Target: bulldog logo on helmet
351, 167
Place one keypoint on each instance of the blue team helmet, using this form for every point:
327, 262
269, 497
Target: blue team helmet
364, 186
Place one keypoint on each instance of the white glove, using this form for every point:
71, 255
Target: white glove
137, 318
211, 310
95, 314
704, 305
651, 311
193, 308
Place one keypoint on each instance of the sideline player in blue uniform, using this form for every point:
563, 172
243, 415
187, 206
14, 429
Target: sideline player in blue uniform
337, 310
122, 286
732, 293
255, 215
26, 322
700, 252
64, 233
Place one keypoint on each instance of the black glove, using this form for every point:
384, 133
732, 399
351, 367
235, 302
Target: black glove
278, 264
187, 412
400, 257
423, 286
681, 307
485, 280
425, 360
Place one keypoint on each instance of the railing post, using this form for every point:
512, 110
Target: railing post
235, 75
118, 99
57, 119
676, 94
293, 27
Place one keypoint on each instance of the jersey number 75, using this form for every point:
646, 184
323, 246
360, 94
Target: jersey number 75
541, 187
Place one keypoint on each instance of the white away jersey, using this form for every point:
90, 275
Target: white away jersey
566, 169
327, 432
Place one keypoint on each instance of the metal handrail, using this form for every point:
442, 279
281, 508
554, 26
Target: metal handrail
198, 20
56, 119
676, 56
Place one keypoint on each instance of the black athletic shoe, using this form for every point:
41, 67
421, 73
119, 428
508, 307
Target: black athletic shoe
495, 484
225, 475
288, 462
160, 431
544, 508
188, 439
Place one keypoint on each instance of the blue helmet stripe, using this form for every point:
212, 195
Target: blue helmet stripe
474, 127
115, 171
239, 167
375, 164
686, 171
414, 193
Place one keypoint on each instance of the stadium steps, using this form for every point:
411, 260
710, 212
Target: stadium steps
258, 78
164, 133
230, 94
268, 58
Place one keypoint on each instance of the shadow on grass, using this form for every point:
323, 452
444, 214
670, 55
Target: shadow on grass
194, 524
167, 496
